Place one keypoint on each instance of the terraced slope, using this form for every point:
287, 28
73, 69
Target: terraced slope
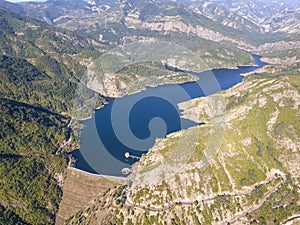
79, 189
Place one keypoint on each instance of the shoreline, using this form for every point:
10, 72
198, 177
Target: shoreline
179, 83
145, 88
84, 119
157, 85
115, 178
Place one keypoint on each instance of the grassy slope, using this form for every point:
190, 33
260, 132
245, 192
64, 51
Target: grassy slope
251, 148
53, 56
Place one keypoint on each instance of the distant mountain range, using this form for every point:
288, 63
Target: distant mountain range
47, 47
270, 16
251, 21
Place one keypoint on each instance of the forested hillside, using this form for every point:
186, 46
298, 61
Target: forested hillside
49, 78
40, 64
40, 69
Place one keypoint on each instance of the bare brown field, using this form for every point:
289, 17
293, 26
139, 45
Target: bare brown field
79, 189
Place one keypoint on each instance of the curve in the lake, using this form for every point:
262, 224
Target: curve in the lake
132, 123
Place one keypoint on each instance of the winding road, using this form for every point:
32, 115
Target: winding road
130, 203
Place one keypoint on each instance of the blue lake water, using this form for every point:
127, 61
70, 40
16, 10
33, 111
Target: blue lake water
132, 123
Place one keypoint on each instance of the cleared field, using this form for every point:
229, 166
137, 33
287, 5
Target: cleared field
79, 189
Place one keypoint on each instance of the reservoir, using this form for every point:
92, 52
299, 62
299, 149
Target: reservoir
130, 125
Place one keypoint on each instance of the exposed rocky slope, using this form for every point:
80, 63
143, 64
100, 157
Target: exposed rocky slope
267, 16
246, 181
210, 20
253, 177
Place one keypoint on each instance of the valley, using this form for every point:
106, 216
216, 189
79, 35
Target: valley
232, 157
246, 173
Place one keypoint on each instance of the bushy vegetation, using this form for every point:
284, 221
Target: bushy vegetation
29, 130
8, 217
279, 206
41, 67
28, 139
28, 190
40, 70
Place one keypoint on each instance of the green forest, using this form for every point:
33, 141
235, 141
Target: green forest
40, 71
43, 93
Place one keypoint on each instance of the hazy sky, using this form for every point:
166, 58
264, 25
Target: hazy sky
26, 0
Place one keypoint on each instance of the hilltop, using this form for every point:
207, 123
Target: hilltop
50, 57
253, 177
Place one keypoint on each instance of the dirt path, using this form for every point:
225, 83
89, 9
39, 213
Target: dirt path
203, 200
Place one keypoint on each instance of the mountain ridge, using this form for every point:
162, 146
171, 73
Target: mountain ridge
42, 94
